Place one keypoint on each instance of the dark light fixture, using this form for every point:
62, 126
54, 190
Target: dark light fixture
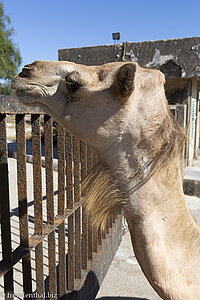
116, 36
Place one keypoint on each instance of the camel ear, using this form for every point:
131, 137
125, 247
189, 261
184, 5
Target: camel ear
125, 81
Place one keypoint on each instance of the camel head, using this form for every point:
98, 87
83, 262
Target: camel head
95, 103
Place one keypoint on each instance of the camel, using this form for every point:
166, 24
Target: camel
121, 110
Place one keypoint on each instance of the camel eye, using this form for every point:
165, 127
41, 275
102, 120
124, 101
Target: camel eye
72, 85
26, 71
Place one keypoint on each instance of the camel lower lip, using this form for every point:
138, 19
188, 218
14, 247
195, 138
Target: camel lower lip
24, 93
27, 93
20, 93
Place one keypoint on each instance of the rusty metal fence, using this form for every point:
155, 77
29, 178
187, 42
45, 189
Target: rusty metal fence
57, 236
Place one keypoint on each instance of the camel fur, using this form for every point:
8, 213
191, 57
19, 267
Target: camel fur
121, 110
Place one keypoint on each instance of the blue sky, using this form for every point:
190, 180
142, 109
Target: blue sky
44, 26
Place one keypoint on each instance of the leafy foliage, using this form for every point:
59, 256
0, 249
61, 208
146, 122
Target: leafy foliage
10, 58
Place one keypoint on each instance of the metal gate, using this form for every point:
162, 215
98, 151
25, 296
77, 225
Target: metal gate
53, 248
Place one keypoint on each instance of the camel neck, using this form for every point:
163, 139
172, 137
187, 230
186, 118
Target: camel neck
164, 236
166, 241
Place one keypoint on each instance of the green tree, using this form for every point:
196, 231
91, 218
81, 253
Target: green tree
10, 58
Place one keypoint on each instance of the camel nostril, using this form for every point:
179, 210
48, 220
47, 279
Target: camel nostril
13, 85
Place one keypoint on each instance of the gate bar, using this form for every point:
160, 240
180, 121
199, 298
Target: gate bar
22, 200
5, 208
76, 156
69, 173
48, 140
61, 209
37, 180
90, 229
83, 150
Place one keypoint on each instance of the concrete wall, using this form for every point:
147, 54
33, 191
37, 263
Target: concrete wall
176, 58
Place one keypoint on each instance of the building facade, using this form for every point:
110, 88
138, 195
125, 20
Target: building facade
178, 59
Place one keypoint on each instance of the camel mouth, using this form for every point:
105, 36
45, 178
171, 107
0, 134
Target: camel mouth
26, 101
21, 93
22, 89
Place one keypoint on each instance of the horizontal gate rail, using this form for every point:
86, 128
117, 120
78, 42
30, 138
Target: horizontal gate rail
36, 239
